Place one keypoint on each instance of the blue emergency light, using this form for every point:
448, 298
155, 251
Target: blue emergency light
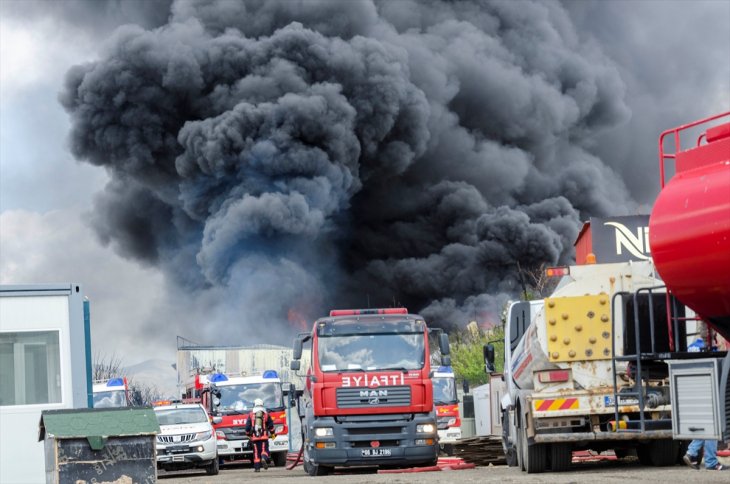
217, 377
115, 382
270, 374
445, 369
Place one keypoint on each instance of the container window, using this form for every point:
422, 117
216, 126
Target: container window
30, 368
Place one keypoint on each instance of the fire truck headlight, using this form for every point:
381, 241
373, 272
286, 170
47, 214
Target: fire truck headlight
324, 432
278, 429
425, 428
204, 435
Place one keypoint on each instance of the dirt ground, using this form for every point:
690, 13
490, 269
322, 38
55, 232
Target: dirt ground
602, 472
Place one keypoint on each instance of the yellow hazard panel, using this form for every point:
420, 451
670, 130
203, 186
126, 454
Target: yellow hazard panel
553, 404
578, 328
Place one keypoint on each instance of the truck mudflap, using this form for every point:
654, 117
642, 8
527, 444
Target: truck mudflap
592, 436
374, 440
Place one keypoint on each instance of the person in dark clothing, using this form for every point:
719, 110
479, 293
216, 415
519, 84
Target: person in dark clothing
259, 426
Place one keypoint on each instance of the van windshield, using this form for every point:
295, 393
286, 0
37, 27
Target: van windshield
177, 416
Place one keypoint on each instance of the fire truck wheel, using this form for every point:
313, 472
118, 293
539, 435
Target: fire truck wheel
279, 459
212, 468
314, 469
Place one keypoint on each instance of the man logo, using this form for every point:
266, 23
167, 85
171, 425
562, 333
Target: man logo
373, 396
637, 245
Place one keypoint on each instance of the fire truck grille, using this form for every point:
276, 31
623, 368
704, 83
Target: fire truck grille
234, 433
175, 439
374, 397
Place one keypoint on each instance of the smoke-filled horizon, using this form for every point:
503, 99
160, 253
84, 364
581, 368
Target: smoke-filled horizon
278, 158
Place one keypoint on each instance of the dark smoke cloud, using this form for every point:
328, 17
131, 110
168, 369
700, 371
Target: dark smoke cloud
319, 154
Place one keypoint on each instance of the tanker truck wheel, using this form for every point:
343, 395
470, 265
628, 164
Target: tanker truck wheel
561, 456
533, 457
658, 453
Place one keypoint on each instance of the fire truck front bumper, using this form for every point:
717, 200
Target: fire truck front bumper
234, 448
383, 441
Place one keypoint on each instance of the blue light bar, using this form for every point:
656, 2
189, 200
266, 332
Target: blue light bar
445, 369
115, 382
216, 377
270, 374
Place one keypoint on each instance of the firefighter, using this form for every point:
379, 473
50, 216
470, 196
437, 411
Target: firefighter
259, 426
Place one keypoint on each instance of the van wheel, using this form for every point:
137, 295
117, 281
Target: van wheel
279, 459
212, 468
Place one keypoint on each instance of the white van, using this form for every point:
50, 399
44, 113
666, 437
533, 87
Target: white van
186, 439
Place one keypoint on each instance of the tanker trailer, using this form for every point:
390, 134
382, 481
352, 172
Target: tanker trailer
570, 380
599, 363
690, 241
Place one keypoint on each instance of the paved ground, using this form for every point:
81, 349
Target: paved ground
606, 472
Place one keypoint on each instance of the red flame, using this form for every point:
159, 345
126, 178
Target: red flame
297, 319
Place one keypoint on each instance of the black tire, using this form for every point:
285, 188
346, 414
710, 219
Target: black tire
511, 457
279, 459
534, 457
623, 453
510, 453
448, 449
212, 468
658, 453
314, 469
561, 456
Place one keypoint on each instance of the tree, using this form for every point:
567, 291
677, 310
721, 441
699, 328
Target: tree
106, 367
467, 353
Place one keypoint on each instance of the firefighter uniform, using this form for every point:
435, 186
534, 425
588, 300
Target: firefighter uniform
259, 426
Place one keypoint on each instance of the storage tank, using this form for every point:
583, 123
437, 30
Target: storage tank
689, 228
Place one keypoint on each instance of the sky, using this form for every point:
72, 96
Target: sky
225, 172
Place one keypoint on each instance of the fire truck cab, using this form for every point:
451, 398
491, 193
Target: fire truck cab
232, 398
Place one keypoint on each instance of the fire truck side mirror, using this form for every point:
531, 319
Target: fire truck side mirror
297, 349
444, 344
465, 386
294, 365
217, 419
489, 358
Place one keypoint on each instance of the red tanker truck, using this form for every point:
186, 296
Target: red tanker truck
689, 233
604, 362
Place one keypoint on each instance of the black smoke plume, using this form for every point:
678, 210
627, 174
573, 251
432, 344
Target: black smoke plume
271, 156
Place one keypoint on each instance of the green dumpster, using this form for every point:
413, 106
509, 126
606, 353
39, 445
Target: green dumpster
99, 445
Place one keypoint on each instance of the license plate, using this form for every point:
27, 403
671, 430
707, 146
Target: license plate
178, 450
609, 401
178, 458
375, 452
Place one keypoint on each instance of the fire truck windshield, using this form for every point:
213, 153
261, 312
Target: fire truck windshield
444, 390
114, 398
372, 352
240, 398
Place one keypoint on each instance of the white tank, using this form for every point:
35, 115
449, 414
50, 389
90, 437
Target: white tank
572, 328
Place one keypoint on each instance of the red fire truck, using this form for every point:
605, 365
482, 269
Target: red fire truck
447, 408
368, 399
232, 398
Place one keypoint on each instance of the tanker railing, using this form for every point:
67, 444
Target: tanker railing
638, 389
